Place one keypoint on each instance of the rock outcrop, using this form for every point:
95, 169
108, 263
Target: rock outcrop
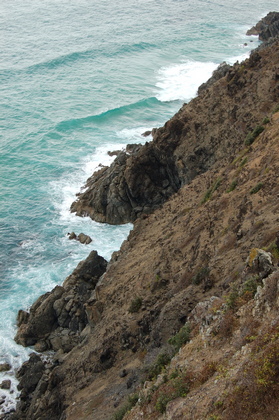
266, 28
56, 320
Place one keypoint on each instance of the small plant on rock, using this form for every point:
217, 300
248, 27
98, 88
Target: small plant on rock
232, 186
162, 361
257, 188
135, 305
201, 275
251, 137
181, 338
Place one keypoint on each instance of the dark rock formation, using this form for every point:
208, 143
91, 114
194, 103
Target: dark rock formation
4, 367
82, 238
6, 384
57, 318
220, 72
134, 183
266, 28
211, 127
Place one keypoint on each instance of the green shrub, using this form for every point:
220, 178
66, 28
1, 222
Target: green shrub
132, 400
251, 137
274, 250
243, 162
162, 361
266, 120
231, 299
250, 286
211, 190
181, 338
178, 387
257, 188
135, 305
201, 275
232, 186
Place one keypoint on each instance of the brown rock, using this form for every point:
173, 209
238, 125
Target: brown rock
4, 367
6, 384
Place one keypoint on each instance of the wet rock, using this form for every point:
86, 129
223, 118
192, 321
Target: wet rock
6, 384
84, 239
146, 133
114, 153
72, 235
4, 367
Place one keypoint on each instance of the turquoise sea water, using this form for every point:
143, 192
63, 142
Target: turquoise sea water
79, 78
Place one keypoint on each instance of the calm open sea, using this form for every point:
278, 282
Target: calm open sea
80, 78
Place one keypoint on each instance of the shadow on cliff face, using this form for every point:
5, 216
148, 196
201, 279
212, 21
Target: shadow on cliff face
208, 130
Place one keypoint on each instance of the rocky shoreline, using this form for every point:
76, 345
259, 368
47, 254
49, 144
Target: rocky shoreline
203, 196
142, 179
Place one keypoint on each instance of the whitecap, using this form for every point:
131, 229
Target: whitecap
181, 81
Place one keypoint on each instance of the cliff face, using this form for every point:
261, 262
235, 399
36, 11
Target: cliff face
209, 129
198, 258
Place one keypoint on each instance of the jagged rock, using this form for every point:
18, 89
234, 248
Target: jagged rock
42, 319
266, 28
22, 317
220, 72
135, 181
72, 235
146, 133
30, 373
57, 318
260, 262
114, 153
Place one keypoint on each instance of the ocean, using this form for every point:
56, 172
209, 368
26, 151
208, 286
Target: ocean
78, 79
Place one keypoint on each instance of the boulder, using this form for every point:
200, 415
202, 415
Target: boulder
260, 262
30, 373
6, 384
84, 239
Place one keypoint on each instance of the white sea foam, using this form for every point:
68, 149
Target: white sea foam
133, 135
181, 81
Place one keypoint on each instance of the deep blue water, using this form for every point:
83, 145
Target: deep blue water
78, 79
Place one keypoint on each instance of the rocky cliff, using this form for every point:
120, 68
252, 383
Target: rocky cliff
208, 129
182, 323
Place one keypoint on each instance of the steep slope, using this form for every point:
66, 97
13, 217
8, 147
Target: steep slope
223, 149
208, 129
